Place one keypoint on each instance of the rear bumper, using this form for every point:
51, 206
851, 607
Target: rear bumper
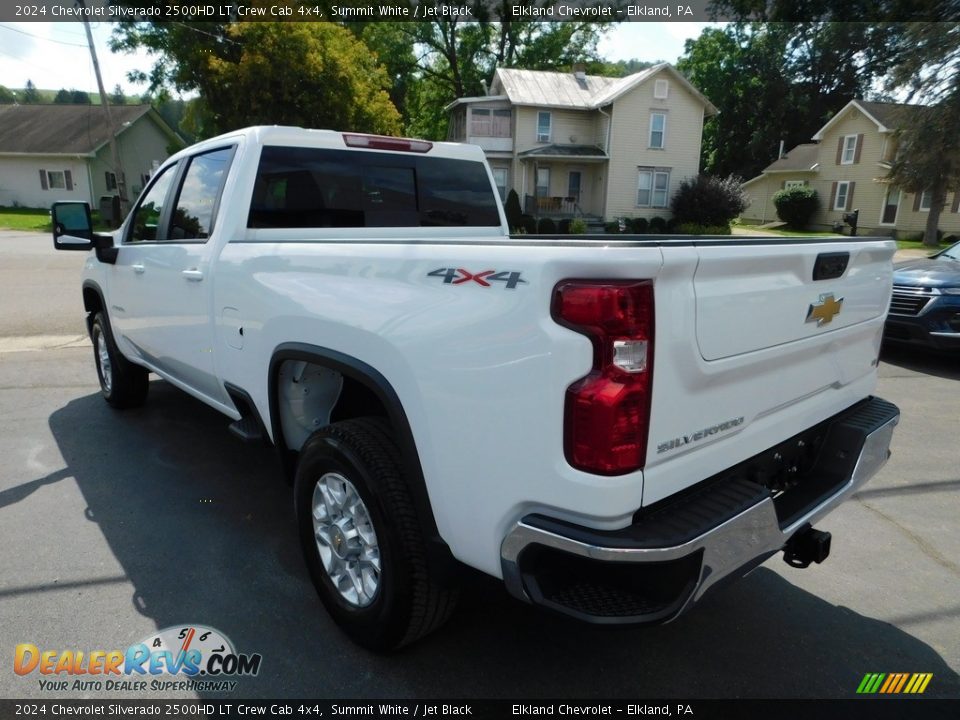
655, 569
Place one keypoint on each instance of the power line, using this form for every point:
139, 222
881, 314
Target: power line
40, 37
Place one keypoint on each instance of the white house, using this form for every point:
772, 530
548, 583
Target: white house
62, 152
577, 144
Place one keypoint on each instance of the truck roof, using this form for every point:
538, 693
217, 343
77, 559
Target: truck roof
286, 135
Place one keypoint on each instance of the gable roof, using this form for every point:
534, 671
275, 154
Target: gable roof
67, 129
888, 117
801, 158
566, 90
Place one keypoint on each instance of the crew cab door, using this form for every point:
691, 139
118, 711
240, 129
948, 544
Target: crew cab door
162, 282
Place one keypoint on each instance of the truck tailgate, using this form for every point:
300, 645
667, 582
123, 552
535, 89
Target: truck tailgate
758, 349
750, 298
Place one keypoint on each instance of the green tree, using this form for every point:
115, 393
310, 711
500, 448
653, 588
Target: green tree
309, 74
928, 159
62, 97
7, 96
30, 94
117, 97
80, 97
780, 82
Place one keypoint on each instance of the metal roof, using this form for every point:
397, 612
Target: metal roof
537, 87
586, 92
581, 151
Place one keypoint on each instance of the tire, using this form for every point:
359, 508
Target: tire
352, 468
122, 383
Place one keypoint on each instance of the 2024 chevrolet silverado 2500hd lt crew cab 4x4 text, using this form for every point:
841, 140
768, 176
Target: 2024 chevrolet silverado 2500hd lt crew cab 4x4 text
610, 424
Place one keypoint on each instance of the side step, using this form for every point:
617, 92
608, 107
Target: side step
247, 429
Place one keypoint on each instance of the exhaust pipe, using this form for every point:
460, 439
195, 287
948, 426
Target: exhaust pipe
806, 546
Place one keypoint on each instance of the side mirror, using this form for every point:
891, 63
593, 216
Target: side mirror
72, 227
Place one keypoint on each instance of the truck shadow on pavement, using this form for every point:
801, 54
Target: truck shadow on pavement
203, 527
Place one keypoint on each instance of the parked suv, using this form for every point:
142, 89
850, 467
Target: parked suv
925, 307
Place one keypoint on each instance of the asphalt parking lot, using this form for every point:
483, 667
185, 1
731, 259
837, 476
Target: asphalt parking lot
113, 526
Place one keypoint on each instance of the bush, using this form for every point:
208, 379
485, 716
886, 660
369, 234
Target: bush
657, 224
708, 201
796, 205
578, 226
513, 211
612, 226
546, 226
528, 223
639, 225
563, 227
697, 229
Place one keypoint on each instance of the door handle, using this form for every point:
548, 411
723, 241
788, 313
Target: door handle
192, 274
139, 268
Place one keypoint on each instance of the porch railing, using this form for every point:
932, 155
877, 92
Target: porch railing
552, 206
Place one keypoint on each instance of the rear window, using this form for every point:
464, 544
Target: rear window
315, 188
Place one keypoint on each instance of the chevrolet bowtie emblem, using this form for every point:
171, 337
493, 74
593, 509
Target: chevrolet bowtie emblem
824, 310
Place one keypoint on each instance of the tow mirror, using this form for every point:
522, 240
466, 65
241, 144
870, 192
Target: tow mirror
72, 228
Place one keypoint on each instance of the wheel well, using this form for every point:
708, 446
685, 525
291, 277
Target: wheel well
311, 395
92, 302
348, 388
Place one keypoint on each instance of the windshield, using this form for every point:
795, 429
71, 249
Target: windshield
952, 252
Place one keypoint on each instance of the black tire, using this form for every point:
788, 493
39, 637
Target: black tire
408, 603
122, 383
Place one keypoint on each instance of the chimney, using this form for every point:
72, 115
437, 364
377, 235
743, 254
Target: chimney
580, 71
780, 154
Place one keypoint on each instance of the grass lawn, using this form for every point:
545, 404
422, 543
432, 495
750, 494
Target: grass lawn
798, 233
37, 219
918, 245
25, 219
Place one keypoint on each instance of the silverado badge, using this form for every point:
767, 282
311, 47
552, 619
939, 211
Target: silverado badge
824, 310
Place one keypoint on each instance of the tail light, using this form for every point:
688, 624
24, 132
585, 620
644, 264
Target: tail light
607, 412
383, 142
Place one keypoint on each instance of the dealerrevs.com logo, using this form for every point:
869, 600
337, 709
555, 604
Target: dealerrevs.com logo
184, 657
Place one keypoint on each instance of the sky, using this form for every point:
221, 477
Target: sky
55, 55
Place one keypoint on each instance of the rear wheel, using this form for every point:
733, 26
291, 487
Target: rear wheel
122, 383
361, 538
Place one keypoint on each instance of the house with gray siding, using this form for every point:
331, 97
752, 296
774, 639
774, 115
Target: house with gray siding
573, 144
62, 152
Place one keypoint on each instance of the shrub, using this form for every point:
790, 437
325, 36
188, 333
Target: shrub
563, 227
709, 201
639, 225
547, 226
528, 223
657, 224
612, 226
513, 211
578, 226
796, 205
697, 229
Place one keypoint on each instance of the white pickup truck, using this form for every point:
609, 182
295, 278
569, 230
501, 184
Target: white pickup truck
611, 424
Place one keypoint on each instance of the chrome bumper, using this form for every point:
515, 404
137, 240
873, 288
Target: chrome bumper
740, 543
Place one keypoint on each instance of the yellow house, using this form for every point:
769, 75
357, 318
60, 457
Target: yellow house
578, 145
847, 165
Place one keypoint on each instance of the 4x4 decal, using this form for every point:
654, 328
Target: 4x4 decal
459, 276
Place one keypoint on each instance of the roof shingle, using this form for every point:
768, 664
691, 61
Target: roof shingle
60, 129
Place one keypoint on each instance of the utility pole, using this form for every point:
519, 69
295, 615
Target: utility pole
117, 167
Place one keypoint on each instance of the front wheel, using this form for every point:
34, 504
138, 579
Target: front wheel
122, 383
361, 538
